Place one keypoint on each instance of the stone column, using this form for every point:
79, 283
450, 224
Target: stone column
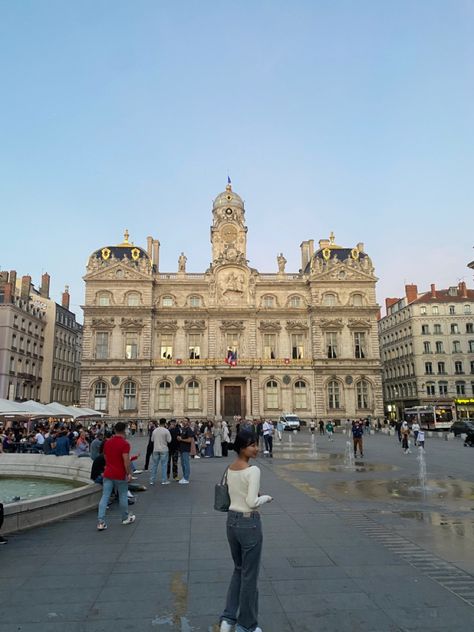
248, 412
218, 398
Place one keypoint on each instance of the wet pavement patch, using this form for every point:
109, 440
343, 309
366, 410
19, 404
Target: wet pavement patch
332, 466
406, 489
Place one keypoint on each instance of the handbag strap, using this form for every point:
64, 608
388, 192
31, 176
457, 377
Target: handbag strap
224, 477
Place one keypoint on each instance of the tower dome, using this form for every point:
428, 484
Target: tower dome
228, 198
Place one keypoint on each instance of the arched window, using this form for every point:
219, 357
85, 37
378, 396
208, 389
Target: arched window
100, 396
357, 300
193, 395
129, 395
133, 299
334, 395
295, 301
103, 299
195, 301
271, 394
300, 394
164, 396
363, 394
329, 299
167, 301
269, 301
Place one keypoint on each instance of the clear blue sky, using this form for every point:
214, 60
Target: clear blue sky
355, 117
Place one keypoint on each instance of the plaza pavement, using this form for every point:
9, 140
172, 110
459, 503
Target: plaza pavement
339, 555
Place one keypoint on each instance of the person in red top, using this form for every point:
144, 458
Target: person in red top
117, 474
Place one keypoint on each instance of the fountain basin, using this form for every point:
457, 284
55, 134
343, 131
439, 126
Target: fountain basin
26, 514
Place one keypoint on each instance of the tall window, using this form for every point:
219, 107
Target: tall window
295, 301
471, 346
460, 388
167, 301
269, 346
458, 367
429, 368
334, 397
193, 395
437, 328
131, 346
439, 346
329, 300
195, 301
363, 394
166, 347
423, 310
164, 396
232, 340
456, 346
435, 310
331, 344
425, 329
194, 346
271, 394
359, 344
470, 328
300, 394
104, 299
357, 300
441, 368
443, 388
430, 388
454, 328
102, 345
452, 309
100, 396
269, 301
472, 366
133, 299
129, 395
427, 347
297, 346
467, 309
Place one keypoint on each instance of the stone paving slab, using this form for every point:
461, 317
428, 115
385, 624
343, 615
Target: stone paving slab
330, 563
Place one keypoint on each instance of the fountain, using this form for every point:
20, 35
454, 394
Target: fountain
290, 441
313, 448
349, 458
422, 470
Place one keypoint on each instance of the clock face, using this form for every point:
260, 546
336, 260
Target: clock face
229, 233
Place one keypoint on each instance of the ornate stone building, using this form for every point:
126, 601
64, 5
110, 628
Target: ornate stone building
231, 341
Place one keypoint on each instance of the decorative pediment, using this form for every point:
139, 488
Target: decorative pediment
166, 325
118, 270
194, 325
235, 325
348, 270
359, 323
300, 325
270, 325
132, 323
103, 323
331, 323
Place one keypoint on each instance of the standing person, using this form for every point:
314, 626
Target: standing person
244, 534
405, 432
117, 473
225, 438
280, 428
217, 439
173, 448
421, 439
312, 426
259, 429
398, 428
268, 437
160, 438
330, 430
357, 434
149, 447
416, 429
185, 440
321, 427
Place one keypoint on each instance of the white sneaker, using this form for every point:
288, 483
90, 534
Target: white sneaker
183, 481
197, 456
138, 472
129, 520
165, 482
226, 627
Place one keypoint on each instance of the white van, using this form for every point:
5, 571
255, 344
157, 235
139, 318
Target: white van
290, 421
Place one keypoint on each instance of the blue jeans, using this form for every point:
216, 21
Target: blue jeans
157, 457
185, 465
107, 488
244, 533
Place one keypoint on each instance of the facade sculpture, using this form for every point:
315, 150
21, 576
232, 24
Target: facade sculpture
231, 341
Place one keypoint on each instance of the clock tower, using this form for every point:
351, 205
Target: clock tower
228, 230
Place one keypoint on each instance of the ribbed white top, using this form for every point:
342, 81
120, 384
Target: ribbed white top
244, 486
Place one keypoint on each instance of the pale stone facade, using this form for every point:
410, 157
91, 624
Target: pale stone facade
231, 341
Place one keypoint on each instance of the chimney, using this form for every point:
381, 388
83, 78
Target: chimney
156, 254
3, 277
25, 287
411, 292
44, 289
307, 251
12, 279
389, 302
462, 289
65, 297
433, 290
7, 293
149, 246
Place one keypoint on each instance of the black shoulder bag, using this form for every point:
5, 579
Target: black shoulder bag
221, 494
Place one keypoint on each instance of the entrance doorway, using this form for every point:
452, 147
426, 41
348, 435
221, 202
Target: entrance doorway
232, 401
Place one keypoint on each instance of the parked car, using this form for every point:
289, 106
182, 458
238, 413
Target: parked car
290, 421
462, 427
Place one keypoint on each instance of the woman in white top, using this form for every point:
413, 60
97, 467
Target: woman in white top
244, 533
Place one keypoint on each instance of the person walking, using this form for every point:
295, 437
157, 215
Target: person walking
330, 430
357, 434
244, 534
185, 439
117, 473
149, 447
415, 429
268, 437
160, 438
321, 427
312, 426
405, 432
280, 429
